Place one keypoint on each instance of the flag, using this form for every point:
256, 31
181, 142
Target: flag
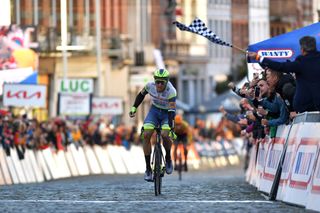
198, 27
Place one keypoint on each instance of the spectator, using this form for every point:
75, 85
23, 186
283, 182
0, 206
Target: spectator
276, 111
76, 136
284, 85
307, 71
244, 105
134, 136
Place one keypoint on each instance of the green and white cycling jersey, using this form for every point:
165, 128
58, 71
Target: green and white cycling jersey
161, 99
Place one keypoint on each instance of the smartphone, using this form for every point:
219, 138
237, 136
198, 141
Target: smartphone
246, 85
256, 91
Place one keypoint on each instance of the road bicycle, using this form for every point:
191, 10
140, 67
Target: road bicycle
158, 163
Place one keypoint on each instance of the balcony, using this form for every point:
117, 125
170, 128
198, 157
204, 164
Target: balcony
113, 44
178, 50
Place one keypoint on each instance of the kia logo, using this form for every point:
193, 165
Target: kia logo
105, 105
276, 53
23, 95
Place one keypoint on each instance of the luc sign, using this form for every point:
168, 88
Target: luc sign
83, 85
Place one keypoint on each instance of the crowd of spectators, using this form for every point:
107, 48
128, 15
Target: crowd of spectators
263, 109
23, 133
276, 95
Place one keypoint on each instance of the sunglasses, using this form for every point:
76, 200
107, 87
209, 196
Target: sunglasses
160, 82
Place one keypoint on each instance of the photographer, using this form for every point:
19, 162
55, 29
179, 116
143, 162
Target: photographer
271, 105
242, 92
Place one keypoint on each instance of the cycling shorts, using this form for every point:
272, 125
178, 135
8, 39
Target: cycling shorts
155, 117
181, 139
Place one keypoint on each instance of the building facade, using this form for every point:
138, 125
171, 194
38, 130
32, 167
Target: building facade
119, 43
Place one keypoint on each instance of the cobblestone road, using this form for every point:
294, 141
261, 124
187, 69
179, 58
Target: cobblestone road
222, 190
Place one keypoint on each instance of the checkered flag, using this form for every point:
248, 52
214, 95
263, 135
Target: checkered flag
199, 27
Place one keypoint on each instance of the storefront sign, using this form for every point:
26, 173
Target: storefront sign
84, 85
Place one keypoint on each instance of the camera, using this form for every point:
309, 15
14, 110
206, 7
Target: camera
256, 91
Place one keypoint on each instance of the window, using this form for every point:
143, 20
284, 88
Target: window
185, 91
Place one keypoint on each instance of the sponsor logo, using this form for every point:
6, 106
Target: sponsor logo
23, 94
303, 163
276, 53
273, 158
105, 105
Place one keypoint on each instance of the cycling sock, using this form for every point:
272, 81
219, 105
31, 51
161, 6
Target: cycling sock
147, 159
168, 156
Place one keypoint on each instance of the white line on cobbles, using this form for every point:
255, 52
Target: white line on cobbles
135, 201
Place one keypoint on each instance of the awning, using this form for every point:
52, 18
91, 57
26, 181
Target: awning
285, 46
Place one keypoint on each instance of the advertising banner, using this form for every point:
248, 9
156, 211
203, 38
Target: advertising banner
275, 149
24, 95
74, 104
314, 196
307, 147
76, 85
107, 106
273, 153
304, 162
17, 47
261, 159
292, 140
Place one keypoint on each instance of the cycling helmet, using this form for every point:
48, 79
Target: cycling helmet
178, 119
161, 74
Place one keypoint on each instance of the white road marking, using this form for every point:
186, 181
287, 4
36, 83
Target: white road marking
134, 201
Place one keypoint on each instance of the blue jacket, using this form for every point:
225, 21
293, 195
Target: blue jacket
307, 72
276, 106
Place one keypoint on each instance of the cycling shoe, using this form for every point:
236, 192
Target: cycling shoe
148, 176
169, 167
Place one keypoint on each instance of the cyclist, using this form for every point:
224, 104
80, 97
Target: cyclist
181, 129
162, 112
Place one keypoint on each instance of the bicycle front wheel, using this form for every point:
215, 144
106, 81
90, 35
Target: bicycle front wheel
157, 172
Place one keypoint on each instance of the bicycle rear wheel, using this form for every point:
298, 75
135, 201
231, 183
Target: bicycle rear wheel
157, 171
180, 165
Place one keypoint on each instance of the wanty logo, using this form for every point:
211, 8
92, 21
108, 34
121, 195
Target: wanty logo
23, 94
276, 53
